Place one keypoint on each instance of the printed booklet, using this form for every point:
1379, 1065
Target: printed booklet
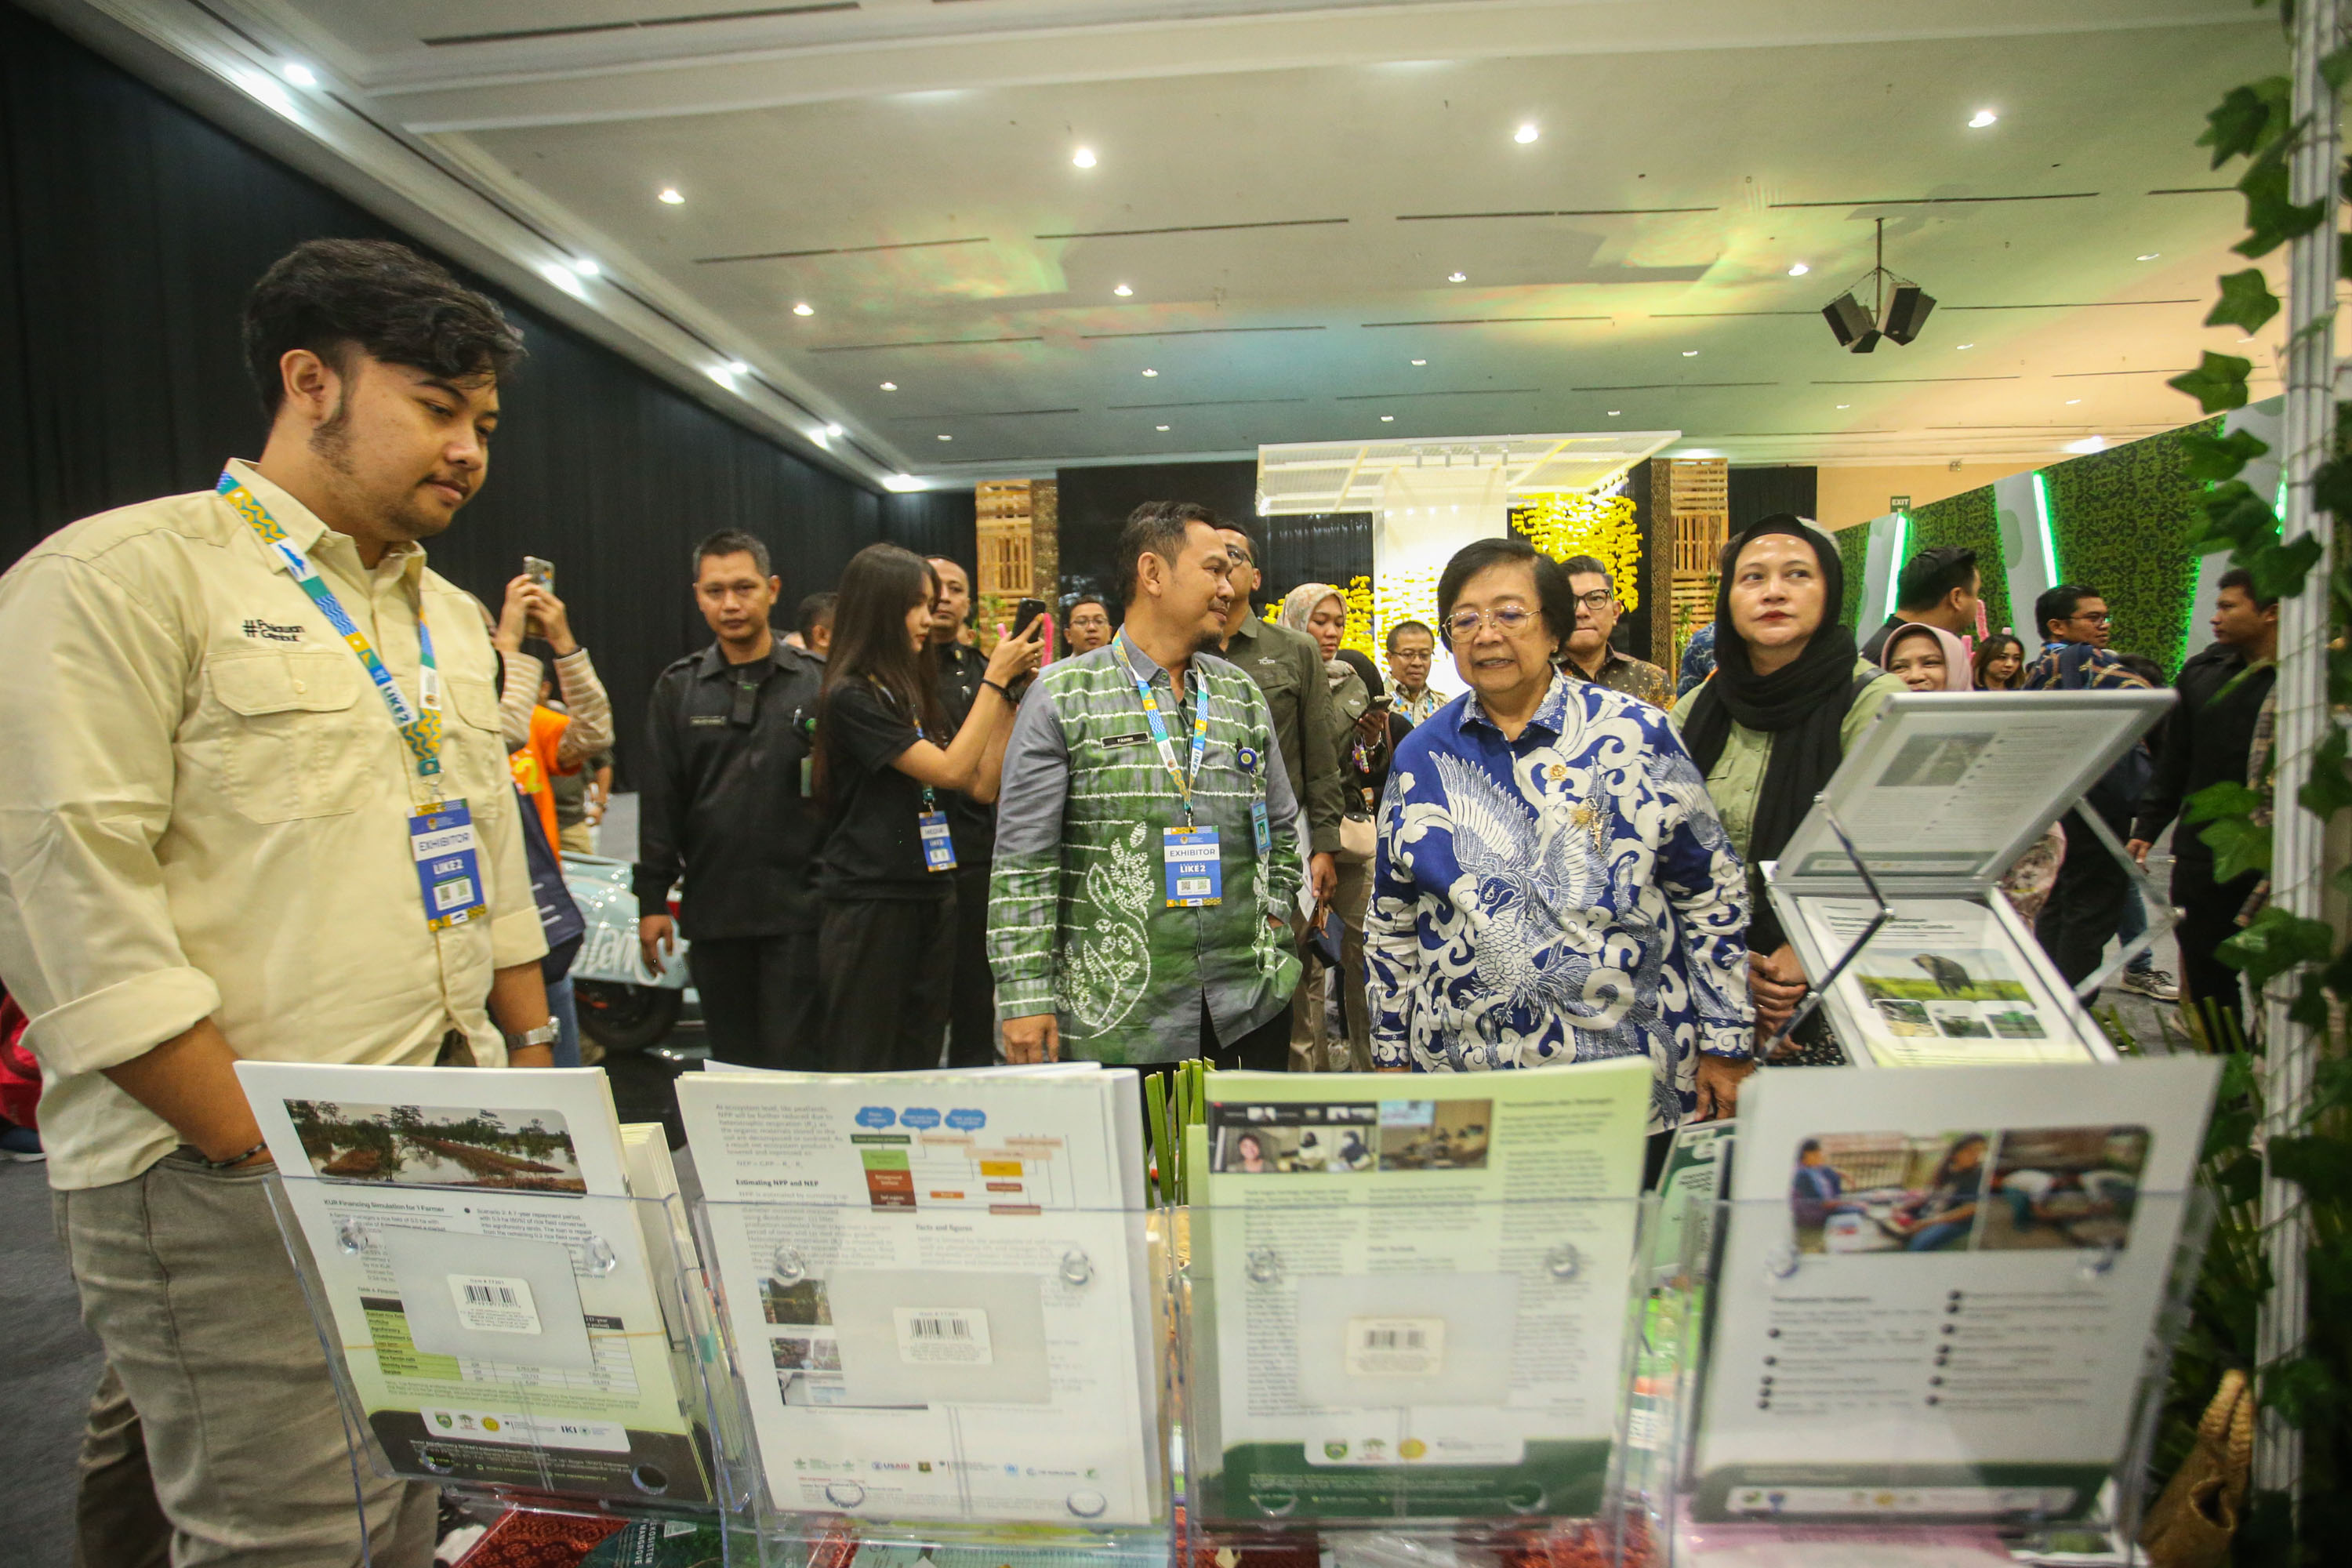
1939, 1289
1942, 984
497, 1295
938, 1287
1416, 1297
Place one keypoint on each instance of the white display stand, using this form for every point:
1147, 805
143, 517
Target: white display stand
1889, 890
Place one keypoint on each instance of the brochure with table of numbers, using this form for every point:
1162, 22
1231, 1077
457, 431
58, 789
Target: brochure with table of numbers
491, 1279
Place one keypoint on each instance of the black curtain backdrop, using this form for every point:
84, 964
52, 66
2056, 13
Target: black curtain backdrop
1095, 504
131, 230
1761, 492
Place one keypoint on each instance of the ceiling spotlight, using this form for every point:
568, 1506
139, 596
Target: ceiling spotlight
1421, 362
2151, 255
947, 438
1845, 405
1981, 117
901, 482
835, 431
737, 367
1151, 373
587, 269
669, 197
722, 376
1084, 157
1798, 270
1958, 346
1457, 278
1123, 291
1159, 426
804, 309
2072, 401
889, 386
1614, 411
1388, 418
563, 277
298, 74
1690, 353
269, 90
1525, 135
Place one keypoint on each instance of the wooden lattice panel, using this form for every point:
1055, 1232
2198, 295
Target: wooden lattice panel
1006, 546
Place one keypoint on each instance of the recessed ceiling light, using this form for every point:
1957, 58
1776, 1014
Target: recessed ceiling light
1457, 278
1421, 362
1964, 345
563, 277
1388, 418
1123, 291
722, 376
1798, 270
2150, 256
1845, 405
1151, 373
269, 90
947, 438
298, 74
1525, 135
804, 309
835, 431
1690, 353
1614, 411
585, 268
2072, 401
1084, 157
2088, 444
1982, 118
902, 482
889, 386
737, 367
1159, 426
669, 197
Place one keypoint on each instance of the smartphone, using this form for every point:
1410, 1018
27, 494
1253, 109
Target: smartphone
1026, 611
1383, 702
543, 573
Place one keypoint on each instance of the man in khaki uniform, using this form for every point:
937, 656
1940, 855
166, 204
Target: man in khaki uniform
226, 712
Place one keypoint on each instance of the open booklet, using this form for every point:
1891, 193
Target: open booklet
1943, 983
497, 1294
1939, 1289
1416, 1294
938, 1288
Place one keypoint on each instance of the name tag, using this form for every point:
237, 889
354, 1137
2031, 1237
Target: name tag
1137, 739
448, 864
1258, 827
939, 845
1196, 876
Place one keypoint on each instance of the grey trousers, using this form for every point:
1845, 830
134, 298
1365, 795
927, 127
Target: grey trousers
214, 1437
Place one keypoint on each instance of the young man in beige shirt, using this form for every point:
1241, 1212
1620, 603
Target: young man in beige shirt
227, 712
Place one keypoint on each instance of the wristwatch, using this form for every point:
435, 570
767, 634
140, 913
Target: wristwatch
543, 1036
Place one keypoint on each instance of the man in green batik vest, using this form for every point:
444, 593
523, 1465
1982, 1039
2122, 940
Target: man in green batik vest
1147, 852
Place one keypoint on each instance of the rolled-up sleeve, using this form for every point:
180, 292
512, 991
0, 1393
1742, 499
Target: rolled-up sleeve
88, 946
1023, 895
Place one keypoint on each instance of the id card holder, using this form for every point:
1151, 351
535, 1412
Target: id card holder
939, 845
1196, 876
448, 863
1258, 827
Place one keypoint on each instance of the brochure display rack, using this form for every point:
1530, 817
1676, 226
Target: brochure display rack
1889, 890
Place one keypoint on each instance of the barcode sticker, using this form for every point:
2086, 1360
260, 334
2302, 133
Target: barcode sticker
953, 1336
490, 1303
1396, 1347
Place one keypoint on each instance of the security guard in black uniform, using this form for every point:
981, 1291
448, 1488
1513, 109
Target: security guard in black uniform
725, 799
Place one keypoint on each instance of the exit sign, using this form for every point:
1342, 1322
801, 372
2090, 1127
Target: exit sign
1898, 503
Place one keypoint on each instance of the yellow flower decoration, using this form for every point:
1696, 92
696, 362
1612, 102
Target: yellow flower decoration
1562, 525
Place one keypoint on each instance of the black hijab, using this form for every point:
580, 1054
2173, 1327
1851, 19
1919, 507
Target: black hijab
1803, 705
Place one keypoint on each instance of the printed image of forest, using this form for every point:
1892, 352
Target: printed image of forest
434, 1146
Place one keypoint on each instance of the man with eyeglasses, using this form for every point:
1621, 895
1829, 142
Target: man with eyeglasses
1589, 655
2086, 902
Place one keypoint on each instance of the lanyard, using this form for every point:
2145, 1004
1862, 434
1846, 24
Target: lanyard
419, 726
1159, 727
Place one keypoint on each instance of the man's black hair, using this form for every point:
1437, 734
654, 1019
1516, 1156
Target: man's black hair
814, 611
1158, 527
2059, 604
732, 541
1933, 574
331, 296
1096, 600
1557, 600
2241, 579
1590, 566
1403, 627
1249, 539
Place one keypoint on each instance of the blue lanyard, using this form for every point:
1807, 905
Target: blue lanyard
1159, 736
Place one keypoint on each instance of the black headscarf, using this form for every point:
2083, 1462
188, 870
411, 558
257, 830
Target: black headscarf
1802, 706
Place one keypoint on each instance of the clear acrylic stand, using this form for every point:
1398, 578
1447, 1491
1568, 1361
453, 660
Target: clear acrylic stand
936, 1385
1408, 1380
552, 1352
2006, 1404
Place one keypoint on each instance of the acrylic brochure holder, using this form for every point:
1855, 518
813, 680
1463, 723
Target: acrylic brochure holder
1998, 1391
1889, 890
550, 1351
938, 1384
1404, 1379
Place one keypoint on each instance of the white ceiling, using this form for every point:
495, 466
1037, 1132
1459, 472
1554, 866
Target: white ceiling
1285, 187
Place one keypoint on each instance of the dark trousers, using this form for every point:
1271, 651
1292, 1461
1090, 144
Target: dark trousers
2086, 902
2209, 916
888, 965
1265, 1048
972, 1028
760, 1003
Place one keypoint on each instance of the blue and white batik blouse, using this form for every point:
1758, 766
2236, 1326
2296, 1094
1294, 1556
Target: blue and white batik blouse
1567, 897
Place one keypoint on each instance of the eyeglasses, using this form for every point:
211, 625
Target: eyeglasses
1597, 600
1510, 620
2097, 618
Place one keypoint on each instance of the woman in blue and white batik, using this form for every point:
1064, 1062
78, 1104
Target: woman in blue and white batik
1553, 885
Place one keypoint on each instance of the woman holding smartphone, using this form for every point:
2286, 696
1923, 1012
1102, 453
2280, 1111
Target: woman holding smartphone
885, 871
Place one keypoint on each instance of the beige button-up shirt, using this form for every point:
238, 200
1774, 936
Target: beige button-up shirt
204, 808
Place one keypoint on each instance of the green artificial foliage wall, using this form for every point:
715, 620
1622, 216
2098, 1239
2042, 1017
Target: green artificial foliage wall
1969, 518
2123, 517
1853, 546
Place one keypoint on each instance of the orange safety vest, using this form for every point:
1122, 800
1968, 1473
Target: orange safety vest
533, 763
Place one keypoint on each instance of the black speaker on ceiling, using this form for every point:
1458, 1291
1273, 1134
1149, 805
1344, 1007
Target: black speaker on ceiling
1907, 312
1854, 329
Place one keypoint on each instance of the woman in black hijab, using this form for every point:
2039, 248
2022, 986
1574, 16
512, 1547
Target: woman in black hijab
1790, 693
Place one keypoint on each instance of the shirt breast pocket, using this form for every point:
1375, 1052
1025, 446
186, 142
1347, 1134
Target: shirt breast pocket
473, 748
294, 744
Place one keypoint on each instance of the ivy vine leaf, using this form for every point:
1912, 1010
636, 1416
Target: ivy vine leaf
2331, 486
2238, 123
2215, 801
2309, 1008
2246, 302
2321, 1166
2218, 381
2330, 788
2280, 571
2272, 219
2236, 518
2216, 458
2276, 942
2335, 67
2303, 1390
2239, 847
